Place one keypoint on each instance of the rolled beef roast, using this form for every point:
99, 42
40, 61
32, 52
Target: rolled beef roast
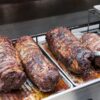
66, 48
11, 71
38, 68
92, 41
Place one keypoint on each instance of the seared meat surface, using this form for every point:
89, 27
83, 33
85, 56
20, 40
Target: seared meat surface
92, 41
38, 68
11, 72
66, 48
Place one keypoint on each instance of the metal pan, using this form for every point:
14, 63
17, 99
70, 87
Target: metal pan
29, 91
87, 91
37, 95
79, 32
74, 80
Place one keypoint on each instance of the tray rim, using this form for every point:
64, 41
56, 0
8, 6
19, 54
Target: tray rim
74, 89
58, 66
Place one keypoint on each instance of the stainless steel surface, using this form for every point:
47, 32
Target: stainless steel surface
22, 10
66, 80
97, 8
97, 53
29, 91
83, 92
43, 25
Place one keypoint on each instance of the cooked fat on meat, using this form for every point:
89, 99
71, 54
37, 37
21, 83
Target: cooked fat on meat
12, 75
37, 67
92, 41
66, 48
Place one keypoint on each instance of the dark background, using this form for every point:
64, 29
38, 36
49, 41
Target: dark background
27, 17
21, 10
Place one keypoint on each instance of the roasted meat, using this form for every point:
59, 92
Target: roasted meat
92, 41
38, 68
11, 71
67, 49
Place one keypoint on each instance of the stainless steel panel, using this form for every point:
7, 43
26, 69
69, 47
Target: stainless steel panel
85, 92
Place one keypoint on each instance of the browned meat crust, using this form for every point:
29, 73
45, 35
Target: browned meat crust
69, 51
11, 72
38, 68
92, 41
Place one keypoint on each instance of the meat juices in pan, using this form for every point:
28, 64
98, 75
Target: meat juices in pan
38, 68
11, 71
92, 41
66, 48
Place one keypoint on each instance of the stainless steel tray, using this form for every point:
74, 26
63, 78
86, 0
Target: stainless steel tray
74, 80
88, 91
68, 83
29, 91
97, 8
